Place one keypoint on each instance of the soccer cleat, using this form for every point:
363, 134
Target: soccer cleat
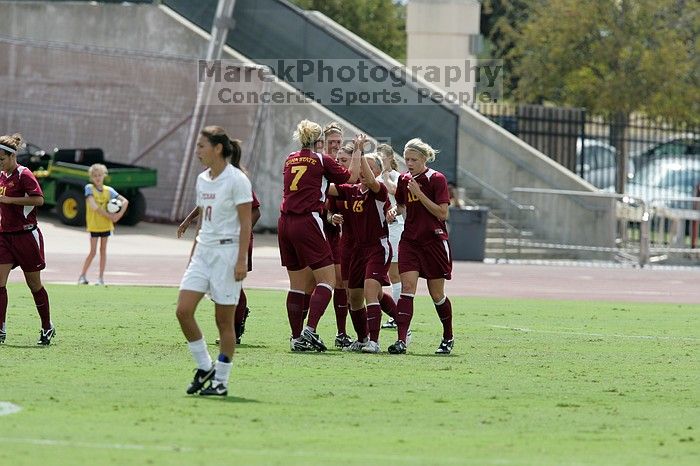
240, 328
397, 348
313, 339
214, 389
371, 347
46, 336
409, 337
82, 280
356, 346
342, 340
201, 376
391, 323
298, 345
445, 346
100, 282
3, 335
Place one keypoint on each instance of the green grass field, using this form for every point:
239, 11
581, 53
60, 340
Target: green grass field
529, 382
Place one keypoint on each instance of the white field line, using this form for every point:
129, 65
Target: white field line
605, 335
312, 455
8, 408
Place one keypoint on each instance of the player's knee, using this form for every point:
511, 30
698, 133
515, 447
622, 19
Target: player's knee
183, 313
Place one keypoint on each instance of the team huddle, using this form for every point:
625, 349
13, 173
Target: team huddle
349, 225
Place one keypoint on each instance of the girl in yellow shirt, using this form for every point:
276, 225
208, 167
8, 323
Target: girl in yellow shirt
100, 223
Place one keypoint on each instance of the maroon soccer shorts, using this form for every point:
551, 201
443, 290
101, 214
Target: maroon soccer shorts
302, 243
334, 242
431, 259
369, 262
25, 249
346, 248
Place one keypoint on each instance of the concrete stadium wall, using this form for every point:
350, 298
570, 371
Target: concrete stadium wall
129, 33
505, 162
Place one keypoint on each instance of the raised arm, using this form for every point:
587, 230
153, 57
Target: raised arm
355, 160
368, 176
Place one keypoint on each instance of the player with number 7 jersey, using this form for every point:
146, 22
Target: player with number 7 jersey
304, 249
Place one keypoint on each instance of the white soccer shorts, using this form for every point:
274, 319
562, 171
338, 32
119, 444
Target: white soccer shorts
395, 230
211, 271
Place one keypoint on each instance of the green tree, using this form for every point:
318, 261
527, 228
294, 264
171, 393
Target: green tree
500, 23
613, 57
382, 23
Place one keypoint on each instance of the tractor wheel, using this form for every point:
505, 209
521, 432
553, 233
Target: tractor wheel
71, 207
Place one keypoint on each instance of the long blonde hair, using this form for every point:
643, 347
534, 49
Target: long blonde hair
307, 133
417, 144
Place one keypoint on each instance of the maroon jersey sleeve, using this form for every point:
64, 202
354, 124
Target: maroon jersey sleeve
440, 188
29, 183
401, 189
335, 172
344, 191
256, 202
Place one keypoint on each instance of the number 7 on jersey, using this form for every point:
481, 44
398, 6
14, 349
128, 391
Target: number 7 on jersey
298, 171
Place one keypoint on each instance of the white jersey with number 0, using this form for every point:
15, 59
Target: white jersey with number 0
217, 200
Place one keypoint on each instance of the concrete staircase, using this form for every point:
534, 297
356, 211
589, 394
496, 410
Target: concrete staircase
503, 232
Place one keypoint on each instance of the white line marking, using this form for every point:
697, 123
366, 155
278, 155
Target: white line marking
100, 446
316, 455
586, 334
8, 408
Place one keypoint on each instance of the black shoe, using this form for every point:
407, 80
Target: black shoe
342, 340
45, 336
397, 348
391, 323
313, 339
445, 346
3, 334
299, 345
201, 377
240, 328
214, 389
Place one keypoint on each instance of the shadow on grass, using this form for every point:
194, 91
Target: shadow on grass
227, 399
35, 346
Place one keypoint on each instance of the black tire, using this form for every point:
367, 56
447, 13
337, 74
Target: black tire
70, 207
136, 210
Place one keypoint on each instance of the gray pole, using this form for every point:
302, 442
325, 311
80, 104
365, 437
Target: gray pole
223, 21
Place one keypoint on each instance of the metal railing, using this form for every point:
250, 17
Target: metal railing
505, 224
589, 225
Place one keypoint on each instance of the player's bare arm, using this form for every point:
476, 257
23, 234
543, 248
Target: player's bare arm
367, 176
25, 200
245, 217
438, 210
182, 228
355, 160
125, 205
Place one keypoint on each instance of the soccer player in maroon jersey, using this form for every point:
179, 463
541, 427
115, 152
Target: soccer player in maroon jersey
242, 310
423, 251
370, 255
333, 138
304, 250
21, 242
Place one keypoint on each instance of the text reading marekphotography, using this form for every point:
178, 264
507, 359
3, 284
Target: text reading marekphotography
350, 82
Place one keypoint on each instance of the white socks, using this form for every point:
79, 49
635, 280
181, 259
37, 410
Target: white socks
396, 291
223, 371
200, 354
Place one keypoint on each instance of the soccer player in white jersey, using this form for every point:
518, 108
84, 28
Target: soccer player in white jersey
218, 263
